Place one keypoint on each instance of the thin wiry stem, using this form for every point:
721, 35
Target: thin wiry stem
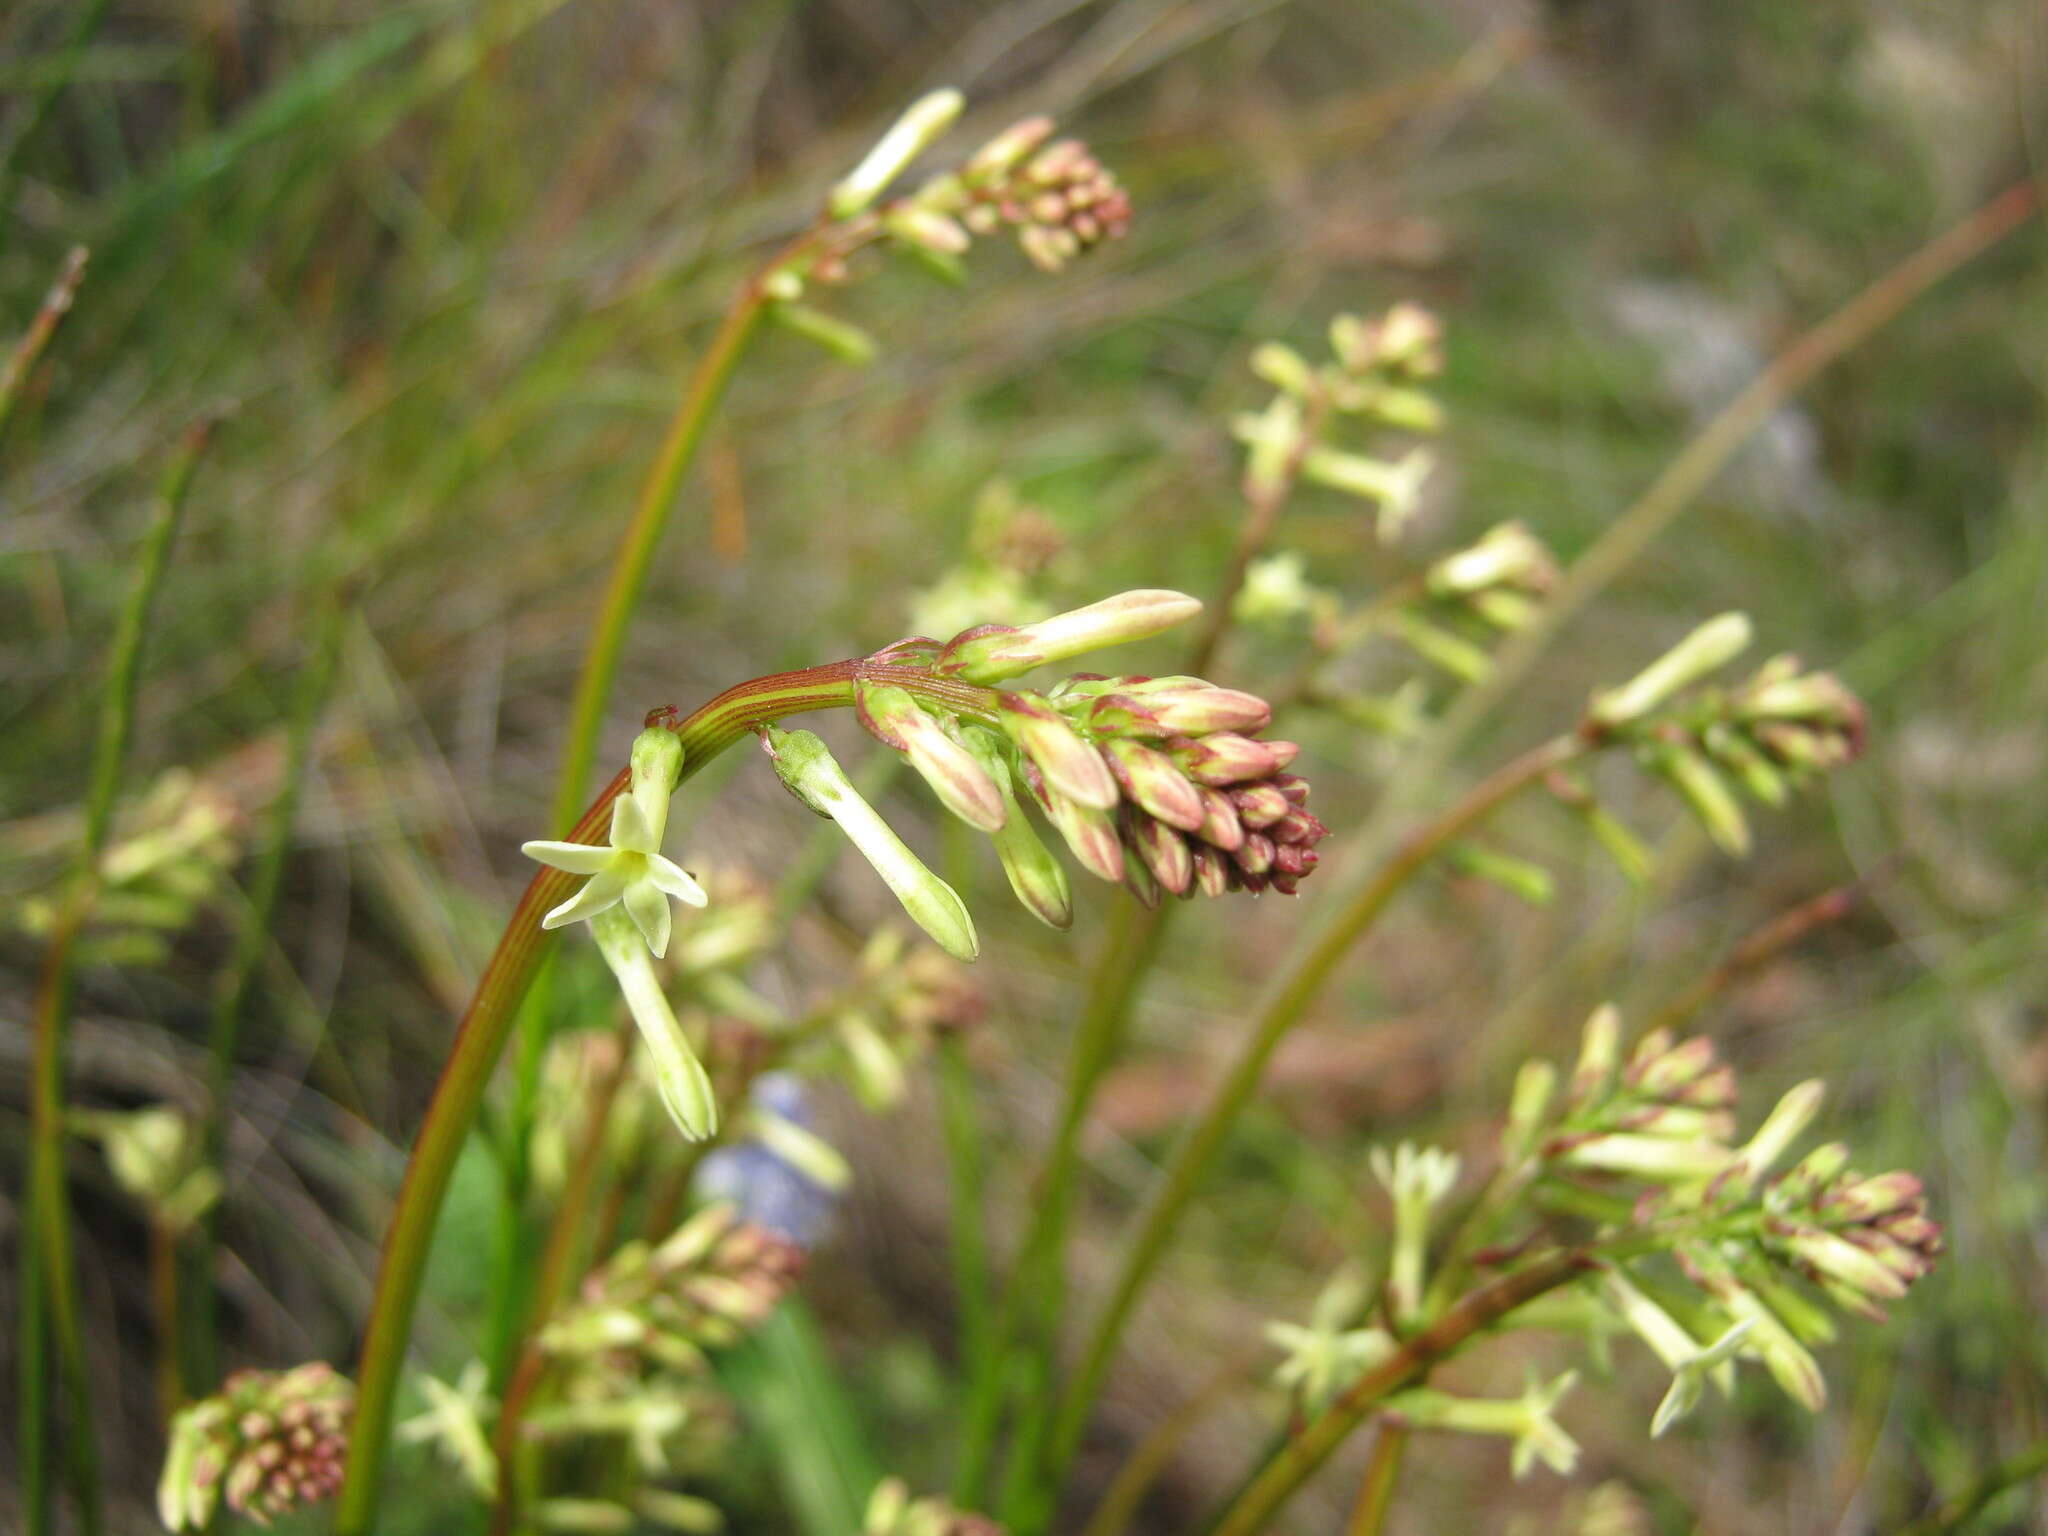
1376, 1492
200, 1333
1477, 1310
36, 339
1954, 1513
49, 1276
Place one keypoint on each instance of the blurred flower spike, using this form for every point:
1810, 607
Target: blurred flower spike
1650, 1136
892, 1511
1780, 730
268, 1443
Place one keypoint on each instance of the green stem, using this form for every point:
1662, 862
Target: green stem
49, 1286
200, 1332
487, 1022
1287, 1000
1477, 1310
1376, 1493
1956, 1512
957, 1111
1038, 1283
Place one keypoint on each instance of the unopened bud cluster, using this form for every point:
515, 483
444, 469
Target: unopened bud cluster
268, 1443
170, 854
1776, 732
1162, 783
1862, 1239
1662, 1119
709, 1285
892, 1511
1376, 372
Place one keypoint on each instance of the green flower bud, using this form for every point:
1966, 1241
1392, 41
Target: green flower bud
920, 127
1037, 878
809, 771
679, 1077
894, 717
995, 654
1707, 649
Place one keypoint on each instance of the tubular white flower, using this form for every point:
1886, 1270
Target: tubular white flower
679, 1076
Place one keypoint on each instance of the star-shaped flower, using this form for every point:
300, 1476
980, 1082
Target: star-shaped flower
630, 870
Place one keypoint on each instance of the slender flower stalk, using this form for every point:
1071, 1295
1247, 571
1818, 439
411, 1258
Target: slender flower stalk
199, 1334
49, 1280
41, 331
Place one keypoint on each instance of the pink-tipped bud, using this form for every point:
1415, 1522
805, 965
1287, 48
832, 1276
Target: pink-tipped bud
1007, 149
1220, 823
1224, 759
1212, 871
894, 717
1181, 711
1259, 805
1155, 782
1089, 832
1071, 767
1255, 857
1164, 852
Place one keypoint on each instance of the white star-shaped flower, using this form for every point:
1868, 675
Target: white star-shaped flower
630, 870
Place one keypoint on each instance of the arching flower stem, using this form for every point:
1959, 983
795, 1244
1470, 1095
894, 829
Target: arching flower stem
487, 1023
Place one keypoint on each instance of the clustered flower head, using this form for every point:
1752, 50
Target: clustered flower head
1376, 373
1162, 783
1776, 732
892, 1511
709, 1285
1653, 1132
267, 1443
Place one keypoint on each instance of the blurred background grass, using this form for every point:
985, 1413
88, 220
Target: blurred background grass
446, 264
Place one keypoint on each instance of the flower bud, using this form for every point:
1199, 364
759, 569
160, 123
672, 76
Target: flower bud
808, 769
1786, 1122
1227, 758
929, 231
1164, 853
921, 126
1007, 150
1071, 767
1534, 1085
895, 718
1089, 832
1037, 878
993, 654
1599, 1055
1707, 793
1649, 1157
1508, 555
1198, 709
845, 341
1220, 826
1707, 649
1155, 783
1272, 439
1283, 368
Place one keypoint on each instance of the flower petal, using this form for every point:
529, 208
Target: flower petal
631, 828
576, 858
601, 890
649, 910
669, 876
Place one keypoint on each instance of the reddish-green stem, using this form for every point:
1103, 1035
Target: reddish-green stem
1477, 1310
